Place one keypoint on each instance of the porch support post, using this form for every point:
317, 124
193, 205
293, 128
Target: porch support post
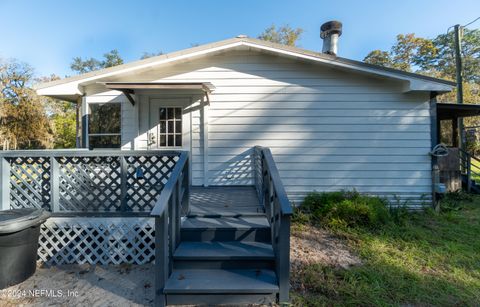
455, 133
205, 144
435, 139
84, 112
4, 184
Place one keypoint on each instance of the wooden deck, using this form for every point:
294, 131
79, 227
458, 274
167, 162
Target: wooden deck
224, 201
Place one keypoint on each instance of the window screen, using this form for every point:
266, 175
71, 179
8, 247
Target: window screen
104, 125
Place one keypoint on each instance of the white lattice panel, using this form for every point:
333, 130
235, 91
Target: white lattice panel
78, 240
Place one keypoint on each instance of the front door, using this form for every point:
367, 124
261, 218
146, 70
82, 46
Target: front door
169, 126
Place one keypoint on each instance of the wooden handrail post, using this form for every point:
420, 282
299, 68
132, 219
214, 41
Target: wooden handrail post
469, 174
283, 259
4, 184
186, 184
54, 184
161, 258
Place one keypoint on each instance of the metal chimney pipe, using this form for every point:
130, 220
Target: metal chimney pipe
330, 32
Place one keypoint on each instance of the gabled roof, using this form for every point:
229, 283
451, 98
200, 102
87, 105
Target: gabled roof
72, 86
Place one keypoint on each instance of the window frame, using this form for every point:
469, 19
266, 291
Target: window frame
167, 133
119, 134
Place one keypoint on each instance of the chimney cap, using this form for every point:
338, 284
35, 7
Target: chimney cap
331, 27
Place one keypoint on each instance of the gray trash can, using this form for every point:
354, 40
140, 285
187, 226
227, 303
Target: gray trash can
19, 232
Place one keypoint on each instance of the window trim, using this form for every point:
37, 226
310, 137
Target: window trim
89, 110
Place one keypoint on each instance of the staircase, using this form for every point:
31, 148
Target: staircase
225, 245
223, 260
469, 169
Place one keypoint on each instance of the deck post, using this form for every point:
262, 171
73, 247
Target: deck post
283, 260
4, 184
123, 184
161, 250
54, 184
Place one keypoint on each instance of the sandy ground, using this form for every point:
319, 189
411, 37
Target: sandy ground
84, 285
132, 285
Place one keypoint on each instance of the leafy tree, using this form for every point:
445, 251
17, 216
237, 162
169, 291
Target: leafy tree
62, 116
81, 66
407, 52
64, 126
112, 58
443, 60
23, 121
433, 57
282, 35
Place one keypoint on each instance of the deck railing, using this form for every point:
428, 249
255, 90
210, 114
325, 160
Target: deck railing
168, 211
279, 210
72, 182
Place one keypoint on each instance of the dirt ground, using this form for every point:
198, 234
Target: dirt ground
132, 285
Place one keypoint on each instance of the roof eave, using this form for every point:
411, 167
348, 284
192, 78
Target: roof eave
415, 82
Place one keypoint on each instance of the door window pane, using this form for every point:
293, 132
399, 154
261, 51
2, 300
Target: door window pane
163, 126
178, 140
170, 140
163, 140
170, 127
163, 113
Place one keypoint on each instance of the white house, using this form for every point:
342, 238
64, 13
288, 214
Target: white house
330, 122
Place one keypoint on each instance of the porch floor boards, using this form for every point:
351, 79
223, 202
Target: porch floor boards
224, 201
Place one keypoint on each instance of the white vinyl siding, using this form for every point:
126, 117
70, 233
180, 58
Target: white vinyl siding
328, 129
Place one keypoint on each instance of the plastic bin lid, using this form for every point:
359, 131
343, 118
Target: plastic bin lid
19, 219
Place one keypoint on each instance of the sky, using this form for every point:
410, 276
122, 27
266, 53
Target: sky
48, 34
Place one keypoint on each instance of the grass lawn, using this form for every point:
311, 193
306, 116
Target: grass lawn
429, 259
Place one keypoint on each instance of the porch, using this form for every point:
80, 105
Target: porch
114, 207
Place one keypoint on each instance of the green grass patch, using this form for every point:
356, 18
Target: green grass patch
419, 259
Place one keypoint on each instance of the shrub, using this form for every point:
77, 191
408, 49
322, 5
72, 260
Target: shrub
452, 201
345, 209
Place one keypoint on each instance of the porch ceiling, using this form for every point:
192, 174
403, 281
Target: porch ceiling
128, 88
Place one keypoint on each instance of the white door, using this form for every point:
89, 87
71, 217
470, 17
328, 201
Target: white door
169, 124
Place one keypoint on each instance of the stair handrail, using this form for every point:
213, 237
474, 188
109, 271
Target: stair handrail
278, 209
168, 212
466, 167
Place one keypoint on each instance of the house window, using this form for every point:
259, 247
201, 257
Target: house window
170, 127
104, 125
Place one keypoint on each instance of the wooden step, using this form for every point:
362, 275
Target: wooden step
221, 287
224, 251
245, 228
224, 201
224, 255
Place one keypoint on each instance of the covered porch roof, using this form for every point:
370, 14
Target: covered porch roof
452, 111
129, 88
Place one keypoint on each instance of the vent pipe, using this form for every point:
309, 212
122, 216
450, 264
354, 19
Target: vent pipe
330, 32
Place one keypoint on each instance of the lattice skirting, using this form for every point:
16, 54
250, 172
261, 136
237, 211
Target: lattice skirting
95, 240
